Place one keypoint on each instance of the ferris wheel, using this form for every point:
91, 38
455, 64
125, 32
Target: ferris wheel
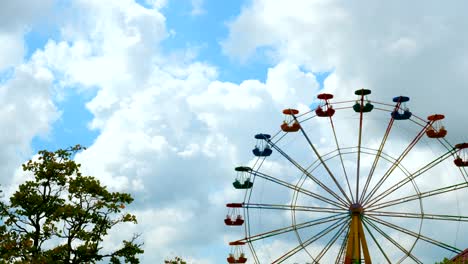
385, 186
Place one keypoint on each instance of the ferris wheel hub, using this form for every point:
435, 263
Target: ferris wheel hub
356, 208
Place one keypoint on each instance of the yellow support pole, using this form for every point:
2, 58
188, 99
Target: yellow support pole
349, 245
365, 250
356, 239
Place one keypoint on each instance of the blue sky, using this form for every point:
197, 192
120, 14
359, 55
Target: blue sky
167, 96
203, 31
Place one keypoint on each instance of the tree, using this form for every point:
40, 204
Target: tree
176, 260
448, 261
62, 216
445, 261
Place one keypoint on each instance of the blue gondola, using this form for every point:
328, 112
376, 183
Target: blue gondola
262, 153
401, 116
262, 149
262, 136
402, 113
401, 99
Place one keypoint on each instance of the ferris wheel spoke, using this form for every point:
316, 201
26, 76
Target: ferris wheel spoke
341, 157
293, 208
308, 118
331, 242
376, 160
458, 218
416, 235
410, 177
317, 181
309, 241
400, 247
298, 189
337, 218
398, 161
422, 195
358, 167
324, 164
248, 194
340, 255
376, 242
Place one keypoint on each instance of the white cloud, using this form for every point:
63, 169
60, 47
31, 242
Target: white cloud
13, 43
16, 18
197, 8
403, 46
416, 50
26, 111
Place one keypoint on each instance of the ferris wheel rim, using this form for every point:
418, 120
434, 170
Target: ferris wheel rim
405, 171
401, 98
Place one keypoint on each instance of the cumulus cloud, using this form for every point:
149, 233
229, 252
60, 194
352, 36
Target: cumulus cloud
16, 18
392, 48
26, 111
26, 96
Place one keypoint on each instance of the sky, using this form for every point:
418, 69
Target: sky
168, 94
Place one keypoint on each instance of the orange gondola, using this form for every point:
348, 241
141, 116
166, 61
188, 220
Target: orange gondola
436, 130
462, 155
325, 110
290, 124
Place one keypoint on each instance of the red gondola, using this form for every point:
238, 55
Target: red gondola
462, 155
325, 96
237, 254
289, 123
325, 109
436, 130
233, 217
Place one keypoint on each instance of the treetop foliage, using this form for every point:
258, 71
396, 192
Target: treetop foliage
62, 216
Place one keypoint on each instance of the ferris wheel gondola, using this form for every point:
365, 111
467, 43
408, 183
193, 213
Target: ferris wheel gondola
437, 130
242, 180
359, 106
401, 111
289, 124
237, 254
462, 155
325, 109
261, 148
